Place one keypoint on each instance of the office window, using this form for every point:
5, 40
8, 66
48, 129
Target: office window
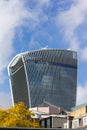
84, 121
66, 125
48, 123
75, 123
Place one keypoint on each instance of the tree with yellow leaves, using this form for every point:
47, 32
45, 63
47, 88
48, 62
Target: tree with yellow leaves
17, 116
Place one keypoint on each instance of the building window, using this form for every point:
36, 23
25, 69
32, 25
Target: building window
84, 121
66, 125
43, 123
48, 123
75, 123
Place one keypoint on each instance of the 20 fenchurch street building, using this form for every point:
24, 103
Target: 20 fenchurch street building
44, 75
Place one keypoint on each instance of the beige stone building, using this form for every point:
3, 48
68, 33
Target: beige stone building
77, 117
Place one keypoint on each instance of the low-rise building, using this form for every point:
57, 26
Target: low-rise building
47, 109
54, 121
49, 115
77, 117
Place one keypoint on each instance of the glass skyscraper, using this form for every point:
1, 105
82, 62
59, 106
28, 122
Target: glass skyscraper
44, 75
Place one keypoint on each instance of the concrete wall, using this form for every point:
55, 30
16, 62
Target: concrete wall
58, 122
53, 122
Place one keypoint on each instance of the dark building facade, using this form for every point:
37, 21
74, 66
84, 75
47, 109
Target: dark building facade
53, 122
44, 75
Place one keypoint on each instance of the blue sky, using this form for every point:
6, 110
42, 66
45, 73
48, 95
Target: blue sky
33, 24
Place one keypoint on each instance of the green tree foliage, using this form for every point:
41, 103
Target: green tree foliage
17, 116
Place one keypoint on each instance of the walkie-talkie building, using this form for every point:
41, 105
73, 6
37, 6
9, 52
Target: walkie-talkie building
44, 75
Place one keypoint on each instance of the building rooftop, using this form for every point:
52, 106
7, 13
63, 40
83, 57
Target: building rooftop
78, 107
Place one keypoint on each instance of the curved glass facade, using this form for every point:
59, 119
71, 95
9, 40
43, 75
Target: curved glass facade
44, 75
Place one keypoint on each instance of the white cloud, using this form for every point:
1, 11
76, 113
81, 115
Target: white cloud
13, 14
69, 21
43, 2
83, 54
5, 100
10, 17
34, 44
82, 94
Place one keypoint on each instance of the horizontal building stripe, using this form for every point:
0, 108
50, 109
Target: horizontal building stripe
56, 64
